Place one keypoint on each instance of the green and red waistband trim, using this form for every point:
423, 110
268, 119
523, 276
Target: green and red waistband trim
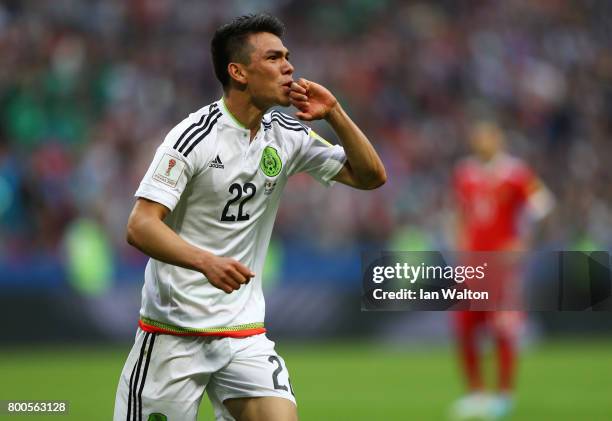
239, 331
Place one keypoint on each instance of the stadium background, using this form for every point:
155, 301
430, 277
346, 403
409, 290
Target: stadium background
88, 89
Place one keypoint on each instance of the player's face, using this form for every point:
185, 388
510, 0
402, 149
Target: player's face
269, 73
486, 141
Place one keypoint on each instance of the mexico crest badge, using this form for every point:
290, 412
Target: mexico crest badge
271, 163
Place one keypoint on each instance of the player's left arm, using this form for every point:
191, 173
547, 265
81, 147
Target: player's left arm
540, 201
539, 204
363, 168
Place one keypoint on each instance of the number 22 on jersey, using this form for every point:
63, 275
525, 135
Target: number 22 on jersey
238, 192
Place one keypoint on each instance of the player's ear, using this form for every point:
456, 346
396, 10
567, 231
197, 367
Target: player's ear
237, 72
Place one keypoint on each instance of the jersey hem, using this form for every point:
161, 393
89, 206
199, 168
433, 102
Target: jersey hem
239, 331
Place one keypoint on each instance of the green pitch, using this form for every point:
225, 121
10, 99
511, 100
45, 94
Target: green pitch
342, 381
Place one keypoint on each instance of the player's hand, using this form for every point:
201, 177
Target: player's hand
227, 274
312, 100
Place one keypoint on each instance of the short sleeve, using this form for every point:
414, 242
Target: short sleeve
169, 172
319, 158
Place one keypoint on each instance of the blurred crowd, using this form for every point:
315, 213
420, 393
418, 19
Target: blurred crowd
89, 89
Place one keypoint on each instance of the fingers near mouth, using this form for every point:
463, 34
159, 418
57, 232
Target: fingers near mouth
298, 88
298, 98
300, 105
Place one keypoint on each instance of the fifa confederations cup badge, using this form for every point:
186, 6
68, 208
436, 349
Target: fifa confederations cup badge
271, 163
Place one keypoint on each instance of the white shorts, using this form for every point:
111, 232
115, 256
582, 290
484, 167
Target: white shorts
165, 376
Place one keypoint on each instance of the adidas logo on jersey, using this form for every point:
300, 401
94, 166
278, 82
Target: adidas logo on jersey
216, 163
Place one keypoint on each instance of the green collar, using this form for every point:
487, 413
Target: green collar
229, 113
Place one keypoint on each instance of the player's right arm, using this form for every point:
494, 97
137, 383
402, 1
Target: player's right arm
148, 233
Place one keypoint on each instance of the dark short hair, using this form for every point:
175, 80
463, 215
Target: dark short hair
229, 44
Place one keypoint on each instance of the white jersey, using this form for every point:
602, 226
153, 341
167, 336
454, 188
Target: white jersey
223, 193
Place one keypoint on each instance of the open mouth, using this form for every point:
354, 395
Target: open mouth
288, 84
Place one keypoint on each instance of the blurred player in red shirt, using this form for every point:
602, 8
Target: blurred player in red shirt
493, 191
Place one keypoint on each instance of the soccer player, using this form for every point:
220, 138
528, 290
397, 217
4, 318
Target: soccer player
493, 191
204, 214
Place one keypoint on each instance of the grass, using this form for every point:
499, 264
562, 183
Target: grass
342, 381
